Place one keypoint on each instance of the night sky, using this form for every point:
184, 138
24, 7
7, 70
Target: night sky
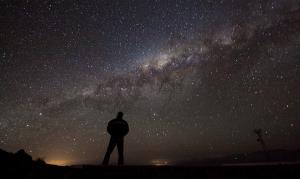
193, 78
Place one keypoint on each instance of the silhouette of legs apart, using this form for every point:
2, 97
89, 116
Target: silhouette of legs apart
120, 146
110, 148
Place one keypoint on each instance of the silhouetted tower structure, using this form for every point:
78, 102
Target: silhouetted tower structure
260, 139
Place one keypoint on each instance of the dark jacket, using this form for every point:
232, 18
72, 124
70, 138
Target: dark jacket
117, 128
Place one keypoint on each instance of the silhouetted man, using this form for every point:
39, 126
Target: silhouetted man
117, 128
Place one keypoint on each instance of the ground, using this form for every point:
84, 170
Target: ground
124, 172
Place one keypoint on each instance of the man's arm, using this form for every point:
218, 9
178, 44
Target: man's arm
109, 129
127, 128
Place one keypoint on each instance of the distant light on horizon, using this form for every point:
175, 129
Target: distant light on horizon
160, 162
59, 162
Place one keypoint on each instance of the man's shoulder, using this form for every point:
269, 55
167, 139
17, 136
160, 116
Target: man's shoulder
124, 121
117, 121
112, 121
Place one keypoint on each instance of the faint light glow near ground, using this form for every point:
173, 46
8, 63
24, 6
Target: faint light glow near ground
160, 162
58, 162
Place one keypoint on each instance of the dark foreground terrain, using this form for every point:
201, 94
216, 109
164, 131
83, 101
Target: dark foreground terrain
20, 165
267, 172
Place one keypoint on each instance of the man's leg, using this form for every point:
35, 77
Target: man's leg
110, 148
120, 146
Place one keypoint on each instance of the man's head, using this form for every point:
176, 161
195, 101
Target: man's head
120, 115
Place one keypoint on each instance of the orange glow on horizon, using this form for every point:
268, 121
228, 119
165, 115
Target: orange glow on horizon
58, 162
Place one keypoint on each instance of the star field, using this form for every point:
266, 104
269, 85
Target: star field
193, 78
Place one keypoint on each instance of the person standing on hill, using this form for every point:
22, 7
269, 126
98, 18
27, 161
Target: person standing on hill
118, 129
